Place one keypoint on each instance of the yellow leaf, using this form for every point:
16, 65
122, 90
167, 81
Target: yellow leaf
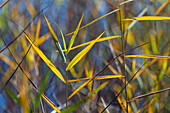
149, 56
46, 60
74, 35
55, 39
64, 42
130, 38
95, 20
142, 18
97, 78
50, 29
80, 55
86, 43
38, 30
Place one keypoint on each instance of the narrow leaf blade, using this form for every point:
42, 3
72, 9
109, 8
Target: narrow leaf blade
87, 43
46, 60
97, 78
143, 18
149, 56
80, 55
55, 39
97, 19
74, 35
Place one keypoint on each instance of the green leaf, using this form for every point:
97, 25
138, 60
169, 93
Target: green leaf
42, 88
13, 96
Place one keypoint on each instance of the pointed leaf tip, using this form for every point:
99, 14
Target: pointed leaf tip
74, 35
80, 55
55, 39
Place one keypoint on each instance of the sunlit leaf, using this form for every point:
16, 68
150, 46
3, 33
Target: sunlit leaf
64, 42
86, 43
46, 60
80, 55
55, 39
74, 35
38, 30
97, 78
149, 56
95, 20
142, 18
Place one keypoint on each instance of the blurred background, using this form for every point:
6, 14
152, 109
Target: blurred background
20, 96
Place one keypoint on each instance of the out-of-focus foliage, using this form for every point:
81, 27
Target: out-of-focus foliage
94, 32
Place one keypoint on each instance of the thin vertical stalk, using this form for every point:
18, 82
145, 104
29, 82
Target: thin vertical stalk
122, 47
66, 89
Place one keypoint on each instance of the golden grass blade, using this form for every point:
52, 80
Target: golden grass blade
74, 35
162, 7
4, 4
97, 78
86, 43
143, 18
50, 29
149, 56
64, 42
121, 104
42, 39
46, 60
55, 39
80, 55
145, 95
95, 20
38, 30
78, 89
